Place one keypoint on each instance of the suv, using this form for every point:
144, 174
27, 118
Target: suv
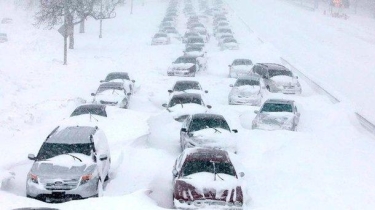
205, 177
72, 163
277, 78
277, 114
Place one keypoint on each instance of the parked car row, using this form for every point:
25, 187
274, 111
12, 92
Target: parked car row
74, 160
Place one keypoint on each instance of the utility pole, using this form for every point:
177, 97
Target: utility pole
65, 32
101, 19
131, 6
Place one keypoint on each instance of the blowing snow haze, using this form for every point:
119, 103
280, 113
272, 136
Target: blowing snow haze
187, 104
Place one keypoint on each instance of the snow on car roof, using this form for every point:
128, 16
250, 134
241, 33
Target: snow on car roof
72, 135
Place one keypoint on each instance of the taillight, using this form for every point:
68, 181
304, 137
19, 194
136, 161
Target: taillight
33, 178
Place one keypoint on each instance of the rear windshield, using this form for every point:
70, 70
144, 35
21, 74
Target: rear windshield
192, 167
274, 72
243, 82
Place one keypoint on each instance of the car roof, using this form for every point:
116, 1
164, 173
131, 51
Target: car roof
279, 101
72, 135
274, 66
196, 154
112, 84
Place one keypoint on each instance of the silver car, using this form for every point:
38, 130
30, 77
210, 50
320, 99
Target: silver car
240, 67
277, 114
72, 164
247, 91
277, 78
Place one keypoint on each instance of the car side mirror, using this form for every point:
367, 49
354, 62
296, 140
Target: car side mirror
235, 130
128, 94
183, 130
170, 91
31, 157
92, 94
230, 85
164, 105
103, 157
209, 106
175, 173
242, 174
256, 111
133, 80
206, 91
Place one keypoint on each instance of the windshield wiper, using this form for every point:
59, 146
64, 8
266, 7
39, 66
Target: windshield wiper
216, 130
215, 174
114, 91
181, 104
91, 116
74, 157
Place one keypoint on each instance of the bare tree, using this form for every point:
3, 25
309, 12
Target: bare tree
104, 9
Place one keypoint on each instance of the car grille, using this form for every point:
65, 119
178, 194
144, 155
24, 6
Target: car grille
68, 184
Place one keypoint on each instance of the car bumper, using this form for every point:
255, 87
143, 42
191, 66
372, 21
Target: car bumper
201, 204
180, 73
39, 192
245, 101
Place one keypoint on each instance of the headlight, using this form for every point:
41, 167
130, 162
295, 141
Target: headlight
86, 178
33, 178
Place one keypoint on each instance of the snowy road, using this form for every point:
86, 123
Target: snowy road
327, 164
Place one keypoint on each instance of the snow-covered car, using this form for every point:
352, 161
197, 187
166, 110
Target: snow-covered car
240, 67
223, 31
222, 38
188, 35
166, 24
187, 86
221, 24
277, 78
72, 163
202, 32
206, 178
129, 84
207, 130
113, 94
247, 90
229, 44
195, 41
182, 105
195, 51
3, 37
187, 66
161, 39
173, 33
277, 114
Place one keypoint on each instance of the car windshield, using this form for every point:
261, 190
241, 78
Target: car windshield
278, 72
186, 86
229, 40
192, 49
274, 107
197, 166
160, 35
102, 89
242, 82
184, 100
242, 62
208, 122
185, 60
50, 150
89, 110
195, 40
116, 76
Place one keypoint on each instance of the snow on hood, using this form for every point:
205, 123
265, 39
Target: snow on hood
186, 109
110, 96
182, 65
276, 118
205, 182
282, 79
247, 90
64, 165
209, 137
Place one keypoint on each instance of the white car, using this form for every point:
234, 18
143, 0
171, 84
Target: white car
246, 91
229, 44
277, 114
187, 66
113, 94
129, 84
161, 39
240, 67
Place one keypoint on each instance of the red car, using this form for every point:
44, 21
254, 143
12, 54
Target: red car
204, 177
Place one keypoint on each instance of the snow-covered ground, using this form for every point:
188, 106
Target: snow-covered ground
328, 164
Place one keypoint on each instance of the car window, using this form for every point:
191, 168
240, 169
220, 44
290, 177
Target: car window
242, 82
279, 72
186, 86
196, 166
203, 123
275, 107
49, 150
89, 110
185, 100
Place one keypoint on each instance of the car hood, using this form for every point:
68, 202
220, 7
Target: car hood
178, 66
110, 96
276, 118
213, 138
210, 186
186, 109
64, 166
246, 90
